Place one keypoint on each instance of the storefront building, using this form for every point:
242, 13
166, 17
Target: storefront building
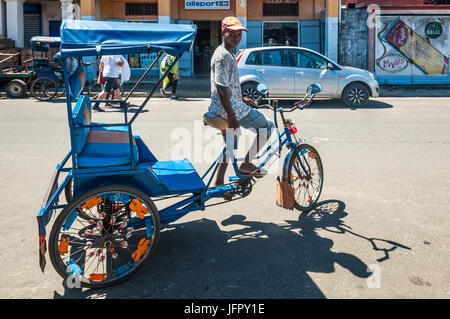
408, 42
308, 23
270, 22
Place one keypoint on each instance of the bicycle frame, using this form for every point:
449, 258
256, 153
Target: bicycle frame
284, 139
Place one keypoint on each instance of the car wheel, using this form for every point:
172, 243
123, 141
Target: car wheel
355, 94
249, 90
16, 88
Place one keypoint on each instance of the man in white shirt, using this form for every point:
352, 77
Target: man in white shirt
110, 68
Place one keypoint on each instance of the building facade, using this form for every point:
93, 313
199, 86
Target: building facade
407, 42
307, 23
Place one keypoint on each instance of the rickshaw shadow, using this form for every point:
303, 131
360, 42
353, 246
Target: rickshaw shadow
131, 109
339, 104
53, 101
252, 259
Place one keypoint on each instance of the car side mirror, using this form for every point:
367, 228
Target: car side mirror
314, 89
330, 66
262, 88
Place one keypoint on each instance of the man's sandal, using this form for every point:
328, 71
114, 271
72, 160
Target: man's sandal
262, 172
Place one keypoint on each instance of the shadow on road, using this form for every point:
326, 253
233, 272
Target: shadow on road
254, 260
338, 104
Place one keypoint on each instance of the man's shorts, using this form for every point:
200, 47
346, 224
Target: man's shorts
111, 85
257, 121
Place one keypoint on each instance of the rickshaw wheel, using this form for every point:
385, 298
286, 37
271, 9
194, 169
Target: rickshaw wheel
44, 88
68, 192
113, 245
60, 93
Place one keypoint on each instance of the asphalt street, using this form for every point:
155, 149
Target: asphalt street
380, 230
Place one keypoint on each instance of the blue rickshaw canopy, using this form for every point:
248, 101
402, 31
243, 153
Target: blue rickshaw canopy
87, 38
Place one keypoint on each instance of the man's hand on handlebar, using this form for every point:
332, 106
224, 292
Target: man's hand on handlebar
250, 102
299, 103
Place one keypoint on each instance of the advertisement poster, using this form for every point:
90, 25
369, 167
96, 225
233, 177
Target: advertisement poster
410, 49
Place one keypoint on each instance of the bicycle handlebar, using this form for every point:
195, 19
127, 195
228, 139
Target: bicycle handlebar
299, 104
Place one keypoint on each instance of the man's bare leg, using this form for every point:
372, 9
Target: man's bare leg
221, 171
247, 167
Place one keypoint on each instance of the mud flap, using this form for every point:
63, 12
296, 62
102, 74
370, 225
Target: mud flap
42, 251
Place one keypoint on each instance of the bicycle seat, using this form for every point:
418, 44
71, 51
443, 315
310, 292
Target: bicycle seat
215, 121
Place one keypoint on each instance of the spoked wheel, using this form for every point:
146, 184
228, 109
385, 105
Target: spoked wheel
116, 241
68, 192
44, 88
307, 187
61, 91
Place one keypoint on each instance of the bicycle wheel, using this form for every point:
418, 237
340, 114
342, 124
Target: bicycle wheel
307, 189
44, 88
117, 240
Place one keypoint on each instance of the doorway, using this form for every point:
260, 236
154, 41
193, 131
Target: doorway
207, 40
32, 22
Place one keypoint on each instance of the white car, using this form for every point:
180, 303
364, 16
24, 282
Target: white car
288, 71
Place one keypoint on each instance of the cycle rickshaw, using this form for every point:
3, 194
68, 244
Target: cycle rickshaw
110, 225
47, 70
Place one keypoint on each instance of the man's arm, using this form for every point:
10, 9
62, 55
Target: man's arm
100, 72
225, 99
221, 81
119, 61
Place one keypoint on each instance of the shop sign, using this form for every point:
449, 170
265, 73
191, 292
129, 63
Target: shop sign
207, 4
433, 30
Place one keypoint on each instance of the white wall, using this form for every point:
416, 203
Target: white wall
14, 22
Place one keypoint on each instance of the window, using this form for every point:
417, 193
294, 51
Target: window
436, 2
277, 9
280, 33
143, 60
275, 58
254, 58
307, 59
141, 9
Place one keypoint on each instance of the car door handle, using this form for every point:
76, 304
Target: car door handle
299, 73
261, 70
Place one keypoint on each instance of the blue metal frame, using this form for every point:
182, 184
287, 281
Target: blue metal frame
140, 174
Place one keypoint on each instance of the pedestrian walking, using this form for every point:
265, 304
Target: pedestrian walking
109, 69
172, 78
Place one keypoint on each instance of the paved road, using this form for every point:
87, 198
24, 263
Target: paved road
384, 206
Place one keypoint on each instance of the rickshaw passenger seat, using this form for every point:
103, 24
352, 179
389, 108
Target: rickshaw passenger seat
76, 82
99, 146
